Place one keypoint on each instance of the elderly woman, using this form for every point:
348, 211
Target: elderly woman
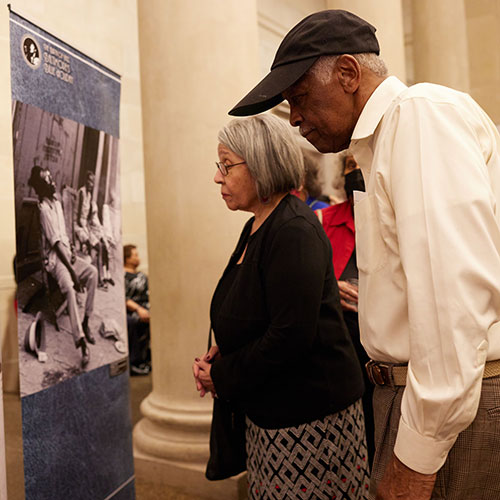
283, 353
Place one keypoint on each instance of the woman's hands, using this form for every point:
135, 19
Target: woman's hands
201, 371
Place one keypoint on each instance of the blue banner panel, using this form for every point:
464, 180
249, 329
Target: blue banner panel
50, 74
77, 443
77, 435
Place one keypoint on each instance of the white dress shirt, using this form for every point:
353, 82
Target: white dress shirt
53, 230
428, 250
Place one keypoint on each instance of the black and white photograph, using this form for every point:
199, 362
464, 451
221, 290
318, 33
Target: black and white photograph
69, 262
31, 51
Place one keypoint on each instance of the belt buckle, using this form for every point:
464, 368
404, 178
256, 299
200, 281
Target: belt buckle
379, 373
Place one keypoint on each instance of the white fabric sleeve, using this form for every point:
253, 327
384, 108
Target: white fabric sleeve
448, 242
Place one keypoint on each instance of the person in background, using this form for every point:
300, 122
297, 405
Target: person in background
283, 353
428, 251
310, 189
137, 303
338, 223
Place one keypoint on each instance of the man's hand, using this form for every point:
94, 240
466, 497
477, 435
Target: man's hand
348, 295
73, 254
66, 257
401, 483
143, 314
76, 283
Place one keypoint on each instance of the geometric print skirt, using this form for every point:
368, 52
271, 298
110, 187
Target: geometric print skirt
325, 459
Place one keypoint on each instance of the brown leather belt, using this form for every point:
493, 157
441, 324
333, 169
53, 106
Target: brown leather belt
395, 374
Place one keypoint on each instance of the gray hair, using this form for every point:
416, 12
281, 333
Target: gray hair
321, 68
270, 150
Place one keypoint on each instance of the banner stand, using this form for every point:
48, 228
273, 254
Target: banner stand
72, 332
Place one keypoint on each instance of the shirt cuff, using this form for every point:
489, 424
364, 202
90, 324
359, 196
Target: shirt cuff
422, 454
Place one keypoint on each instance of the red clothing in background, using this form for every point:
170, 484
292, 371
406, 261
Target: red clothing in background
338, 223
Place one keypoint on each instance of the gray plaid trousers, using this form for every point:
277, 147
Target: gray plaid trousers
472, 469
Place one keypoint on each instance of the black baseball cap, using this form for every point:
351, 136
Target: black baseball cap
329, 32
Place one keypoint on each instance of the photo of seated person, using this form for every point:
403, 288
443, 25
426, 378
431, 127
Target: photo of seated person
72, 274
90, 232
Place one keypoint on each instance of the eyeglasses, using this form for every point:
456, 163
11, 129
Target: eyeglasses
224, 169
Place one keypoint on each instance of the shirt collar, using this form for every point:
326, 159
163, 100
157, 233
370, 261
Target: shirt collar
376, 106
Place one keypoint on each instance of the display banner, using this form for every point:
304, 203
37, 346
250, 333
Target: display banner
73, 368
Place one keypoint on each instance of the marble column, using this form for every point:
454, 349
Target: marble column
439, 33
387, 17
197, 60
483, 37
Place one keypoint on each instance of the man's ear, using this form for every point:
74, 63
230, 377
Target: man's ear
348, 73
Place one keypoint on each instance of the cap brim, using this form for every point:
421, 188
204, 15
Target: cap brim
268, 93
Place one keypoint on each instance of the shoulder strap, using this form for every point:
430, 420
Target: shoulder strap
210, 332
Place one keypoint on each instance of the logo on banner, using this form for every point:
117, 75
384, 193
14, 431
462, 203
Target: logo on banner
31, 51
57, 63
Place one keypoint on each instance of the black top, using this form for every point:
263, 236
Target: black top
287, 358
137, 288
350, 270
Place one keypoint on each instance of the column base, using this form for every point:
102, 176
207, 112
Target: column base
171, 449
160, 479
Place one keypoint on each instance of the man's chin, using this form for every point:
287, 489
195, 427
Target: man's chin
321, 147
328, 148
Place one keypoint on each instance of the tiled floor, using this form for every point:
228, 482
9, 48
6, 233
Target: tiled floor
139, 389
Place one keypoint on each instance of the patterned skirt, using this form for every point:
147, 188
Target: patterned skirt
325, 459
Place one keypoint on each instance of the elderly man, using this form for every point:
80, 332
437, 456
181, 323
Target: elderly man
428, 251
71, 273
90, 232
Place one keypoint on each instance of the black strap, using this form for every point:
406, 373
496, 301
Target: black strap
209, 338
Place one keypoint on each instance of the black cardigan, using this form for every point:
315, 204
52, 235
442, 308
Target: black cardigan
287, 357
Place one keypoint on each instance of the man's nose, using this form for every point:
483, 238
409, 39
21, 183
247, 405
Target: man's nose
295, 117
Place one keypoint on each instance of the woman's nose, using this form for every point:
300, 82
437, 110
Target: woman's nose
218, 178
